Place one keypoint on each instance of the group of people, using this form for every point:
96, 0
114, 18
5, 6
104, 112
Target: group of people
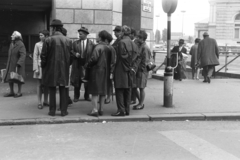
60, 62
204, 55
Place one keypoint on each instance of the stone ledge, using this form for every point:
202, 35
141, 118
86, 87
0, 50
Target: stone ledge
222, 116
177, 117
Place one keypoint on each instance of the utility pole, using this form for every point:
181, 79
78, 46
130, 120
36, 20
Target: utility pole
169, 6
182, 21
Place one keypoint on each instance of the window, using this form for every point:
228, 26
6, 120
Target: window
237, 27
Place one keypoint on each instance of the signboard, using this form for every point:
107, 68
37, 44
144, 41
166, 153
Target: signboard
147, 6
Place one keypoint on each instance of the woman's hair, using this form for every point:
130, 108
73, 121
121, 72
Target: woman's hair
126, 30
103, 35
45, 33
197, 40
18, 35
142, 34
109, 38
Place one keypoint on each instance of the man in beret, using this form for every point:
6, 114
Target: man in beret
55, 59
208, 55
82, 50
118, 34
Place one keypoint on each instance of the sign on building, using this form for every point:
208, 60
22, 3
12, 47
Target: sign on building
147, 6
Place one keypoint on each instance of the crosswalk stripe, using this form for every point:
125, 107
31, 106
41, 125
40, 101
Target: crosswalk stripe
198, 146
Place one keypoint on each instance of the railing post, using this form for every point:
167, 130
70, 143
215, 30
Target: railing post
226, 61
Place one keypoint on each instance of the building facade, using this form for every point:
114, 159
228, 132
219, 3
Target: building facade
30, 16
223, 23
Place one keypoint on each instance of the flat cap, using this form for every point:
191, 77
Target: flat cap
117, 29
205, 34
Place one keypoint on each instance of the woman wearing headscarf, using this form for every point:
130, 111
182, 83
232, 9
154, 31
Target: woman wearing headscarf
15, 63
38, 70
99, 73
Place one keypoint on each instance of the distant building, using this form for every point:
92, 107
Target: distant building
223, 23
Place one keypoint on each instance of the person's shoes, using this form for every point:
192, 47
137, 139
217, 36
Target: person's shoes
51, 113
139, 107
134, 107
118, 114
127, 113
208, 80
70, 101
100, 113
180, 79
46, 104
133, 102
9, 95
94, 114
204, 81
107, 101
64, 113
87, 99
40, 106
75, 100
18, 95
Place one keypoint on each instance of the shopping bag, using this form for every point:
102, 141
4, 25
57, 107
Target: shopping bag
16, 78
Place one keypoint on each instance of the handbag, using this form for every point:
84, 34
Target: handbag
16, 78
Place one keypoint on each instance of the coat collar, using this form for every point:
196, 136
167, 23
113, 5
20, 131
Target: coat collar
57, 33
16, 43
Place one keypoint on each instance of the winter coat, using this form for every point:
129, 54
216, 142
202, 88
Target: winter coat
123, 74
142, 73
16, 56
99, 64
193, 53
55, 60
208, 52
78, 71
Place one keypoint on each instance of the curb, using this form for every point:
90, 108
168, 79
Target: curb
131, 118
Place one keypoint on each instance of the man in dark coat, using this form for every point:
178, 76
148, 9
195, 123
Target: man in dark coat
124, 70
118, 33
178, 72
208, 55
55, 60
81, 51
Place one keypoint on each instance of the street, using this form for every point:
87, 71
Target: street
187, 140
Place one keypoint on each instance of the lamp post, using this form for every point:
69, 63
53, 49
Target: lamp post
182, 20
169, 6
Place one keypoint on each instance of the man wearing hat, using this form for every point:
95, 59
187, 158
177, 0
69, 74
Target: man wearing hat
125, 69
118, 33
82, 50
55, 59
208, 55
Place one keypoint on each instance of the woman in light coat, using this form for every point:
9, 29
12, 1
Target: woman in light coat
15, 63
38, 70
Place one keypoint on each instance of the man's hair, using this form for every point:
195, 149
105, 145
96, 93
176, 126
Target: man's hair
64, 31
126, 30
103, 35
181, 40
197, 40
142, 34
109, 38
58, 28
45, 33
18, 35
133, 31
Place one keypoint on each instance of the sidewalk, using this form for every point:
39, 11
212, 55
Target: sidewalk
192, 99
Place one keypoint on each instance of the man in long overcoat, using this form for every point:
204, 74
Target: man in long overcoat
208, 55
55, 61
81, 51
124, 70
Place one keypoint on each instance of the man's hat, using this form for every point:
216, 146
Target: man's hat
205, 34
83, 29
56, 22
117, 29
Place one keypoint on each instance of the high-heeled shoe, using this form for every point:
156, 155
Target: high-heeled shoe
100, 113
139, 107
94, 114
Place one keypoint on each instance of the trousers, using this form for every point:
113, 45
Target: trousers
208, 71
63, 99
123, 98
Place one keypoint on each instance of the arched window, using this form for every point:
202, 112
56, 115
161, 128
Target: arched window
237, 26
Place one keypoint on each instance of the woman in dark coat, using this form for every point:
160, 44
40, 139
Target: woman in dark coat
99, 73
15, 63
142, 73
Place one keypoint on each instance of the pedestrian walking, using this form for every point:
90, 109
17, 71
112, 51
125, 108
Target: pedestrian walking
194, 62
15, 63
124, 71
37, 70
142, 72
99, 75
82, 51
55, 61
208, 55
179, 71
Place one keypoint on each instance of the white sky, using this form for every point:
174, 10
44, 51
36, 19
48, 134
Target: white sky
196, 10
